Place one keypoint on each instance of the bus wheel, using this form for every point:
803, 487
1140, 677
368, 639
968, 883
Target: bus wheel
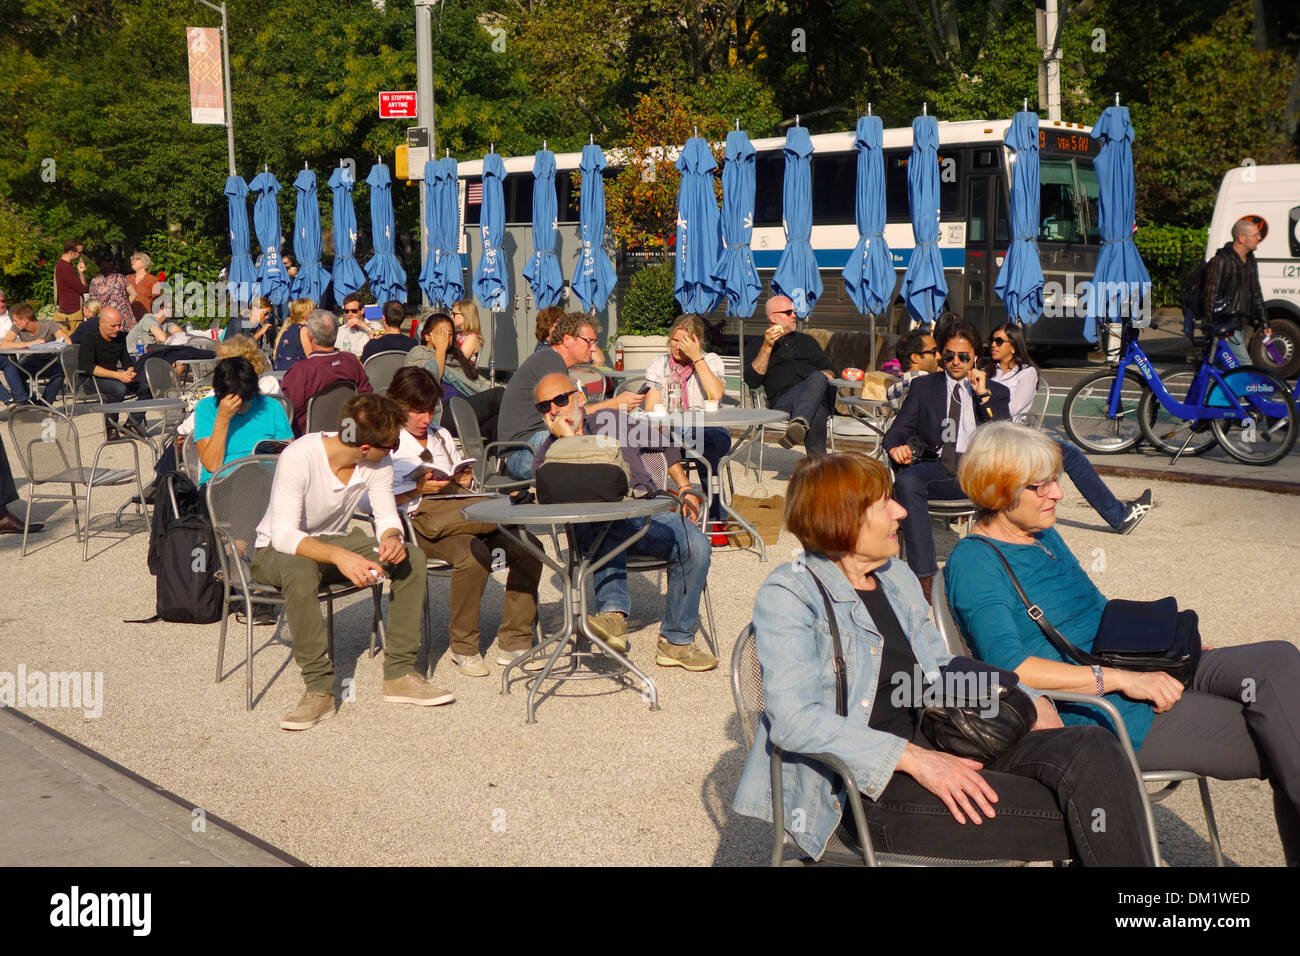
1285, 345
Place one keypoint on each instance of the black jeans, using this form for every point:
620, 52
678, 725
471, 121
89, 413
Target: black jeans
914, 487
813, 400
1240, 719
1063, 794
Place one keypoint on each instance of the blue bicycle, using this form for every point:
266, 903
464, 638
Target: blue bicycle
1244, 408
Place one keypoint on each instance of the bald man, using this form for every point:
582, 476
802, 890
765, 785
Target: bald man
671, 537
794, 371
103, 356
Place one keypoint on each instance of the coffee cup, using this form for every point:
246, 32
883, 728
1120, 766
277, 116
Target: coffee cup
660, 409
710, 405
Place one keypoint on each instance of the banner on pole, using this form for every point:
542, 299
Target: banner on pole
207, 95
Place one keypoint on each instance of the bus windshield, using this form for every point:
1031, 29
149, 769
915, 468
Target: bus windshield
1067, 201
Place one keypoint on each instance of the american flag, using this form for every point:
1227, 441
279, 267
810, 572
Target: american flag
475, 194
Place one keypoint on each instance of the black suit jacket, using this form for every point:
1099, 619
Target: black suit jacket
926, 407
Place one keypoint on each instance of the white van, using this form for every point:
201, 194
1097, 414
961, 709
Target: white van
1270, 195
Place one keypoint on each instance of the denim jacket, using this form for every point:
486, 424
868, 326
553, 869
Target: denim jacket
793, 641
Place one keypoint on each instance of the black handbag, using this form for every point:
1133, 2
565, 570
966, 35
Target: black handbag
997, 718
1132, 635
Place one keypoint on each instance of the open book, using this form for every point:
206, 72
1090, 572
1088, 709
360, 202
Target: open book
418, 473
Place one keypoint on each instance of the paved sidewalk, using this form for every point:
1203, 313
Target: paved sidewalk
61, 805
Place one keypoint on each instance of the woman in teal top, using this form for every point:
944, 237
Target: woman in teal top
230, 422
1213, 727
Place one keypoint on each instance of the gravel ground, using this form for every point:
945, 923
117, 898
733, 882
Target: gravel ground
599, 779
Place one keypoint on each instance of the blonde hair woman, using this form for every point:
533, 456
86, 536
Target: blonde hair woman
245, 347
291, 343
469, 333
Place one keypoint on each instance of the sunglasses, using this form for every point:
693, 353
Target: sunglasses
997, 340
352, 310
959, 356
1043, 487
783, 312
559, 401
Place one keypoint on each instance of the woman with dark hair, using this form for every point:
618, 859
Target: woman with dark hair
442, 533
546, 319
109, 288
230, 422
440, 355
1035, 801
1012, 367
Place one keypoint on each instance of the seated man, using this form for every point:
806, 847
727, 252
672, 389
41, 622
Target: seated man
323, 366
930, 433
796, 374
103, 356
354, 335
27, 330
306, 539
918, 355
572, 342
393, 339
672, 537
156, 328
10, 523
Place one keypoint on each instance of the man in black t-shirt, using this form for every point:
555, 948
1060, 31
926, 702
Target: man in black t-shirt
794, 371
393, 339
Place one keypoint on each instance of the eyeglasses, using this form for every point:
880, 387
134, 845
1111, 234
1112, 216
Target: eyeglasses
998, 341
390, 448
929, 352
1043, 487
959, 356
591, 342
559, 401
782, 312
352, 310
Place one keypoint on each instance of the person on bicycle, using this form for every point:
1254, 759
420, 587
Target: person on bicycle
1232, 276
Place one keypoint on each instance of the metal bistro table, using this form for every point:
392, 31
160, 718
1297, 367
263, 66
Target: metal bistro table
143, 408
575, 572
752, 420
876, 416
55, 352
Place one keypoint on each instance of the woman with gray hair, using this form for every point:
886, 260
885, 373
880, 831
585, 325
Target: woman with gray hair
140, 285
1012, 473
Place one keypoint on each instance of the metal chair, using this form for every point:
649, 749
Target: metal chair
326, 406
238, 496
286, 404
1038, 407
381, 367
73, 380
487, 468
629, 385
747, 693
590, 380
202, 342
189, 458
49, 452
1170, 779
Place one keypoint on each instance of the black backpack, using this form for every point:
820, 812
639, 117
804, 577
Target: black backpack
183, 555
1193, 299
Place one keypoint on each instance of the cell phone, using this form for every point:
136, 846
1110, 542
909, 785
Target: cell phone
644, 389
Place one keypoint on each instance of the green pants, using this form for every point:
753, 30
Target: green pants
301, 578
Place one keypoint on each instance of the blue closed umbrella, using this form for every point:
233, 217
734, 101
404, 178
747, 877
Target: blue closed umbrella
699, 236
796, 274
387, 277
1020, 280
312, 279
272, 280
736, 273
869, 273
924, 287
491, 279
348, 277
441, 277
1120, 272
242, 275
543, 268
593, 278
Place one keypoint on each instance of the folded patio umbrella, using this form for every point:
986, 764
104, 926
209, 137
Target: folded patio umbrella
1020, 280
699, 236
387, 277
492, 278
593, 278
348, 277
242, 275
924, 287
272, 281
543, 268
312, 279
796, 274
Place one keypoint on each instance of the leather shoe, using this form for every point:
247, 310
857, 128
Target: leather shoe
12, 524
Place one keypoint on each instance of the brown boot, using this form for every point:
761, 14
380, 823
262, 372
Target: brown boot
927, 583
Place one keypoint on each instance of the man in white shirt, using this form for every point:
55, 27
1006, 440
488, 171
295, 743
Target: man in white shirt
354, 334
304, 541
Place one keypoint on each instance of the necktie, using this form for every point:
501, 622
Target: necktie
948, 455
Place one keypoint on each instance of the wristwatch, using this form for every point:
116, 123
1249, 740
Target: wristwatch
1101, 681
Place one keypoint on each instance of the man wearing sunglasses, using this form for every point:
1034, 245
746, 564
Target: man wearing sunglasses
794, 371
930, 433
354, 334
918, 355
672, 537
572, 342
306, 539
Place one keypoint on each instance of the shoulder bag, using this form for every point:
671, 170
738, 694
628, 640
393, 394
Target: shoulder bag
1132, 635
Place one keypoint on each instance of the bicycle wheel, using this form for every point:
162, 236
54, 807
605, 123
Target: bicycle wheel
1086, 418
1165, 430
1267, 430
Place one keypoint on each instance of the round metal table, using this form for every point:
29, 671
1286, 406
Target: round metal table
55, 352
577, 568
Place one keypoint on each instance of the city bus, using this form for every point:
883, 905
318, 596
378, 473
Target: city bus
973, 237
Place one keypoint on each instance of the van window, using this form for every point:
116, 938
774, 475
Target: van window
1293, 219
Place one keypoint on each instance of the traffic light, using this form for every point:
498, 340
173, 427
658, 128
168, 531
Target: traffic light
401, 166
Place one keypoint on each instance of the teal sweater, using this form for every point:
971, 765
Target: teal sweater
1000, 631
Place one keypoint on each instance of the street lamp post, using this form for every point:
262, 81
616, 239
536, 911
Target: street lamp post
424, 101
225, 75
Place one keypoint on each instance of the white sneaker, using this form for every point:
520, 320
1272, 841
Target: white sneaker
506, 658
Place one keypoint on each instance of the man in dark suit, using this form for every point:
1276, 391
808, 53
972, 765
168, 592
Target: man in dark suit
931, 432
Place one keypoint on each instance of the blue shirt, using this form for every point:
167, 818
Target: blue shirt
1000, 631
264, 419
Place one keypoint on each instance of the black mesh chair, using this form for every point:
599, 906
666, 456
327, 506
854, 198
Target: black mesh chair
326, 407
381, 367
487, 468
238, 496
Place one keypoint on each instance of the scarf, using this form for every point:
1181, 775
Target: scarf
681, 374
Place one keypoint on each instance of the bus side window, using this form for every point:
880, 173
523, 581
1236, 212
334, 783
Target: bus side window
769, 175
979, 204
519, 198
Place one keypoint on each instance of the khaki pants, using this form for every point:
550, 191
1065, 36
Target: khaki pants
469, 547
69, 320
300, 578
